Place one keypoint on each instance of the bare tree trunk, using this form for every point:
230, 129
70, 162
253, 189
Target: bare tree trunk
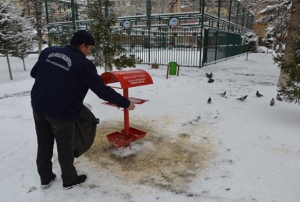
292, 32
9, 69
38, 17
247, 56
24, 64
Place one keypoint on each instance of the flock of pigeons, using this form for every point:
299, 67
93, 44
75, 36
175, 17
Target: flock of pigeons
211, 80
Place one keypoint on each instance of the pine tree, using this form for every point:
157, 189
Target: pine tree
249, 39
33, 10
108, 50
276, 14
25, 43
293, 27
291, 67
8, 19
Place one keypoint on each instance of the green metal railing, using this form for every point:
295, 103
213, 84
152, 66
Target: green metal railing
201, 37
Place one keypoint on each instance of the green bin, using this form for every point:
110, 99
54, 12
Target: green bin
173, 68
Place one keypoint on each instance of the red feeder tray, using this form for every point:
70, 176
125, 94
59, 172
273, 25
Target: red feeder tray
135, 134
118, 139
132, 99
127, 79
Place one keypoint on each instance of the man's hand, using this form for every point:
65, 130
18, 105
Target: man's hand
131, 106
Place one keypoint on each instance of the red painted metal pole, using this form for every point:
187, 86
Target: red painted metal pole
126, 114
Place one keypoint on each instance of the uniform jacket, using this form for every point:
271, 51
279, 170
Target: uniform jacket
62, 78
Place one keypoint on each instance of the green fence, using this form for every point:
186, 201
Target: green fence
207, 35
164, 45
219, 45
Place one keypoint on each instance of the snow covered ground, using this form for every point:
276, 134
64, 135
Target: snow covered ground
228, 150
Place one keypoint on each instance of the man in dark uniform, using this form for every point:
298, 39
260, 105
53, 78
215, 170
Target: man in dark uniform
63, 76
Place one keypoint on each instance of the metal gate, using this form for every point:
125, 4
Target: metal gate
182, 45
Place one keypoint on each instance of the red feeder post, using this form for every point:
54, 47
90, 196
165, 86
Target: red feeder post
127, 79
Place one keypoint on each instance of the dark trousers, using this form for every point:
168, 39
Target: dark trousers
48, 129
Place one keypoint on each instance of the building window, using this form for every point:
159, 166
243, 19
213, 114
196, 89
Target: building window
264, 30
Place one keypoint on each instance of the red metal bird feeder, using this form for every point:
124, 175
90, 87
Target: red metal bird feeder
127, 79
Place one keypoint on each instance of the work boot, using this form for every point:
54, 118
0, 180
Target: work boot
48, 184
80, 179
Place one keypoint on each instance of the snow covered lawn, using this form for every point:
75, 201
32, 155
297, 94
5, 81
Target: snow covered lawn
228, 150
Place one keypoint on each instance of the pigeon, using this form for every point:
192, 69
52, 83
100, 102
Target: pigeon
272, 102
258, 94
278, 97
242, 98
209, 100
209, 76
210, 80
223, 94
